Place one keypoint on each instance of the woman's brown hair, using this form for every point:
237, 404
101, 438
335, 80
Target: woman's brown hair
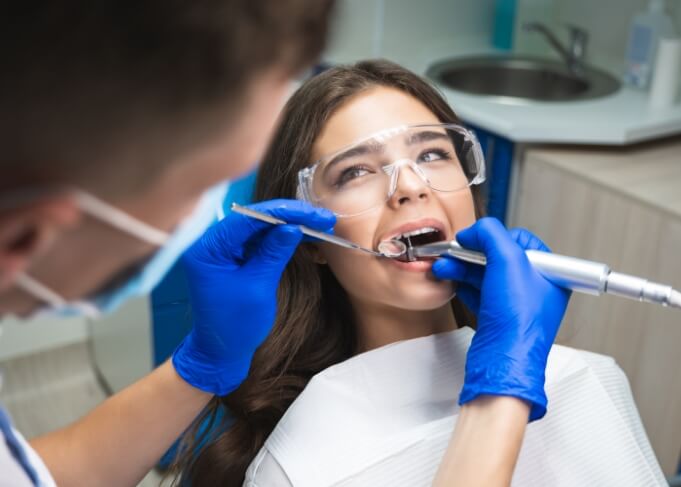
314, 326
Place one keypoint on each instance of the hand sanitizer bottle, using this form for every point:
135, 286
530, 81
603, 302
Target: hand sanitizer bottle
644, 34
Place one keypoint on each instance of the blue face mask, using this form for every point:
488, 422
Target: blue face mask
171, 246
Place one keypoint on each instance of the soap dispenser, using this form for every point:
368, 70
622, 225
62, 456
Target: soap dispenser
644, 34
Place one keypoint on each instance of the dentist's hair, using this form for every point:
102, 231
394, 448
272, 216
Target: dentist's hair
104, 94
315, 325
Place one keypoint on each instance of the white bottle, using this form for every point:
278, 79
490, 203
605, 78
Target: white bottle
644, 34
666, 79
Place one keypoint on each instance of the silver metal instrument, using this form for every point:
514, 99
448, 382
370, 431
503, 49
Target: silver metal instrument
579, 275
306, 230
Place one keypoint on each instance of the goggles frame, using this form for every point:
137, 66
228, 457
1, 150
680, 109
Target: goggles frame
305, 192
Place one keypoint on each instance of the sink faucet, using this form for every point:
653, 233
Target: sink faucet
573, 54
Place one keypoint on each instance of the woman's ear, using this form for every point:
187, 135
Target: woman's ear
27, 230
314, 253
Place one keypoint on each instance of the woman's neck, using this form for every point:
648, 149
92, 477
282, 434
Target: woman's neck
379, 325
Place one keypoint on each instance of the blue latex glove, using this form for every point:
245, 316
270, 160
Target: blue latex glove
233, 272
519, 313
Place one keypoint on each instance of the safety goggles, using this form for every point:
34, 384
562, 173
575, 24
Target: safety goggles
364, 175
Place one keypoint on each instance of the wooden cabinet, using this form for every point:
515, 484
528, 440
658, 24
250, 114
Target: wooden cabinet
621, 207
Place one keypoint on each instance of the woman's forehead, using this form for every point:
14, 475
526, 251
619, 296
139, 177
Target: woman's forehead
367, 113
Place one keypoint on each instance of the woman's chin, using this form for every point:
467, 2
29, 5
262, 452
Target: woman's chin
425, 295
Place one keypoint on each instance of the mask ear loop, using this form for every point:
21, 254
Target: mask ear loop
120, 220
47, 295
111, 215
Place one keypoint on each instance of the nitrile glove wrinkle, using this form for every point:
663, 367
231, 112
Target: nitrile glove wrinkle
233, 273
198, 370
519, 313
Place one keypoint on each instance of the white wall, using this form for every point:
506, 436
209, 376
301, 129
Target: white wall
25, 337
353, 31
412, 27
606, 21
401, 30
122, 343
404, 30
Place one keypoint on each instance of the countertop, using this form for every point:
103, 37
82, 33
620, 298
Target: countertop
619, 119
649, 173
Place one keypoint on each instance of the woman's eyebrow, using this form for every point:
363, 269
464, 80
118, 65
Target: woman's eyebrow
374, 147
360, 150
425, 136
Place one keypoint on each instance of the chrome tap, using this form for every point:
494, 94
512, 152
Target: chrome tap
574, 53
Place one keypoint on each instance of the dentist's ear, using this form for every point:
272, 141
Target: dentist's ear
28, 229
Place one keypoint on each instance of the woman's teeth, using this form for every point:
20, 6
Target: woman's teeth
421, 236
419, 231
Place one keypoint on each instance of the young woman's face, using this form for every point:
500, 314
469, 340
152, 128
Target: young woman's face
413, 205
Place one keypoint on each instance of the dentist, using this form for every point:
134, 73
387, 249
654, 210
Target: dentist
120, 123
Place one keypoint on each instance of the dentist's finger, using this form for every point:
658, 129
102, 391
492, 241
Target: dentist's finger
275, 251
298, 212
489, 236
457, 270
238, 229
528, 240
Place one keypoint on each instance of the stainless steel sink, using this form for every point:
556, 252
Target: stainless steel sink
522, 78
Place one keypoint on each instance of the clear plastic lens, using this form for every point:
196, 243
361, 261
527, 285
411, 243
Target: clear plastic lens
365, 174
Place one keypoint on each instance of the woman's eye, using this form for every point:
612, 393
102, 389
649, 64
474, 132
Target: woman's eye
351, 173
433, 155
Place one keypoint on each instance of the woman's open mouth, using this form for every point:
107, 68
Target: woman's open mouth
411, 235
421, 236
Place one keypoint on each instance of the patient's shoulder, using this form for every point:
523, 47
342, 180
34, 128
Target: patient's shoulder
592, 358
613, 381
563, 361
265, 471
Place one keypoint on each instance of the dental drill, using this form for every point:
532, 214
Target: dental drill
578, 275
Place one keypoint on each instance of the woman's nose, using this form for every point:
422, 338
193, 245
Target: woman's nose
410, 187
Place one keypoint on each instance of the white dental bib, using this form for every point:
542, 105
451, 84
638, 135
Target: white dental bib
385, 417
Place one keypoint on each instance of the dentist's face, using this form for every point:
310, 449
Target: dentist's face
77, 255
413, 206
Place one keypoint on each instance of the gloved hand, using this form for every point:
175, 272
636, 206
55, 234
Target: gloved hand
233, 272
519, 313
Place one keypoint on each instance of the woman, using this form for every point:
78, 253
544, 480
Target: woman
378, 146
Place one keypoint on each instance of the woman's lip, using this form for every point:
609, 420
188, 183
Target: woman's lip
415, 266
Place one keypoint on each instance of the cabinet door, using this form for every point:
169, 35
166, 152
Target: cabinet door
577, 217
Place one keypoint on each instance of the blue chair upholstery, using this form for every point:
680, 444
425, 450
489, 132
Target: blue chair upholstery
498, 153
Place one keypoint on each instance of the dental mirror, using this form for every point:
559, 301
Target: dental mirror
392, 248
